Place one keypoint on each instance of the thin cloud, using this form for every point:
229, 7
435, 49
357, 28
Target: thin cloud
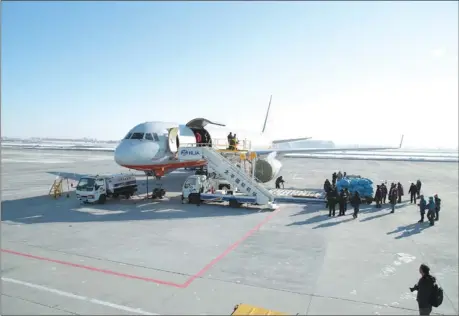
438, 52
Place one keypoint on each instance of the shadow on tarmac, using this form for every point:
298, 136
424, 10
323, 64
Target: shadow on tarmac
46, 209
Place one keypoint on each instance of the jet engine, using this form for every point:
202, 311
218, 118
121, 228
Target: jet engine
267, 169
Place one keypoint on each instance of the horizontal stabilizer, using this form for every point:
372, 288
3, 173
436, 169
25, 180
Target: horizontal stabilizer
281, 141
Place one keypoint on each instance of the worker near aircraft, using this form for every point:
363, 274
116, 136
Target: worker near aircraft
279, 181
400, 192
437, 201
413, 191
230, 141
418, 186
384, 193
235, 142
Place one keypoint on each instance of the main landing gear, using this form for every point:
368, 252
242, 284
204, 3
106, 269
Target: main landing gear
158, 192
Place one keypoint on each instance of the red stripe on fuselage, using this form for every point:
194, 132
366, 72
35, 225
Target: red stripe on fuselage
167, 166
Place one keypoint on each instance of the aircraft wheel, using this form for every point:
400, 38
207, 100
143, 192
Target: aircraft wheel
102, 199
234, 203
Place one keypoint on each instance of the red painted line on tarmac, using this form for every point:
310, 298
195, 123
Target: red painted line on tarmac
93, 269
135, 277
229, 249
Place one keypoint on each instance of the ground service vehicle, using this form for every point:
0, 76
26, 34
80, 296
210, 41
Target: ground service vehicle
97, 188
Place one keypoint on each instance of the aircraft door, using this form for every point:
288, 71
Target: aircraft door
181, 136
173, 140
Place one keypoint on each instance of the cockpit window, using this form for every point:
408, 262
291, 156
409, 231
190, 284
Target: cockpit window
128, 136
148, 136
156, 137
137, 136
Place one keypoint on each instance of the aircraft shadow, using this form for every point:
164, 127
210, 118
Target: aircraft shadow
46, 209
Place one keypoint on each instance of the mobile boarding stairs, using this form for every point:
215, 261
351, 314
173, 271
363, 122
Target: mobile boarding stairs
233, 174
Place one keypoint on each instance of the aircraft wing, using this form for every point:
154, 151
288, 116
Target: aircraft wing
322, 150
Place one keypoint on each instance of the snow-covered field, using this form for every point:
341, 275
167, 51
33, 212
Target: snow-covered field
395, 155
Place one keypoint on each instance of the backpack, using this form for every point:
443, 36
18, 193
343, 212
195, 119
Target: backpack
437, 295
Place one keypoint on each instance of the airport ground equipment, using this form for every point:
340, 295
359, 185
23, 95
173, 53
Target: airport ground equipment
198, 189
225, 169
97, 188
57, 187
246, 309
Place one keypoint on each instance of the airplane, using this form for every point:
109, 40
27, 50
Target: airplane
152, 147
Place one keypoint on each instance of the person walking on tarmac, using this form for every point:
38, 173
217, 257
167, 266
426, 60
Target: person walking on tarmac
431, 211
342, 200
393, 199
425, 289
418, 187
422, 208
332, 197
279, 181
437, 201
400, 192
412, 191
355, 202
383, 193
378, 196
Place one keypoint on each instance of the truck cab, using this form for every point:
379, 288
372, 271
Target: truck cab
202, 184
95, 188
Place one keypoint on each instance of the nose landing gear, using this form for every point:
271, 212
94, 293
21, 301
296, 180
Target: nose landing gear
158, 191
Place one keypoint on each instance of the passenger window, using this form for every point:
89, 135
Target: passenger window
137, 136
148, 136
156, 137
128, 136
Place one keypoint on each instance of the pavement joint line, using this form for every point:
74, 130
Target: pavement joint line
38, 303
98, 258
79, 297
185, 284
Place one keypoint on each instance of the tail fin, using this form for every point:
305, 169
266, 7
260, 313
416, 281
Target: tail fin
267, 114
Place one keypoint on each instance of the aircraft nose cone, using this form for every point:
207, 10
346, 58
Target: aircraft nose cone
123, 154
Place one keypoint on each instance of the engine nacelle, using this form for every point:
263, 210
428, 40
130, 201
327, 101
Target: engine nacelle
267, 169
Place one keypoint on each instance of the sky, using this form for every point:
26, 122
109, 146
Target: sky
351, 72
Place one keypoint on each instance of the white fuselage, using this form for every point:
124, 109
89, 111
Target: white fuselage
152, 146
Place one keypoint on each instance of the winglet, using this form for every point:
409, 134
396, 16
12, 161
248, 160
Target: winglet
401, 142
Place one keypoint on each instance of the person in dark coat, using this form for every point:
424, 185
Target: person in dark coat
393, 199
342, 202
431, 211
279, 181
378, 196
437, 201
355, 202
413, 191
334, 176
422, 208
332, 199
425, 288
230, 141
392, 187
384, 193
418, 186
400, 192
327, 188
